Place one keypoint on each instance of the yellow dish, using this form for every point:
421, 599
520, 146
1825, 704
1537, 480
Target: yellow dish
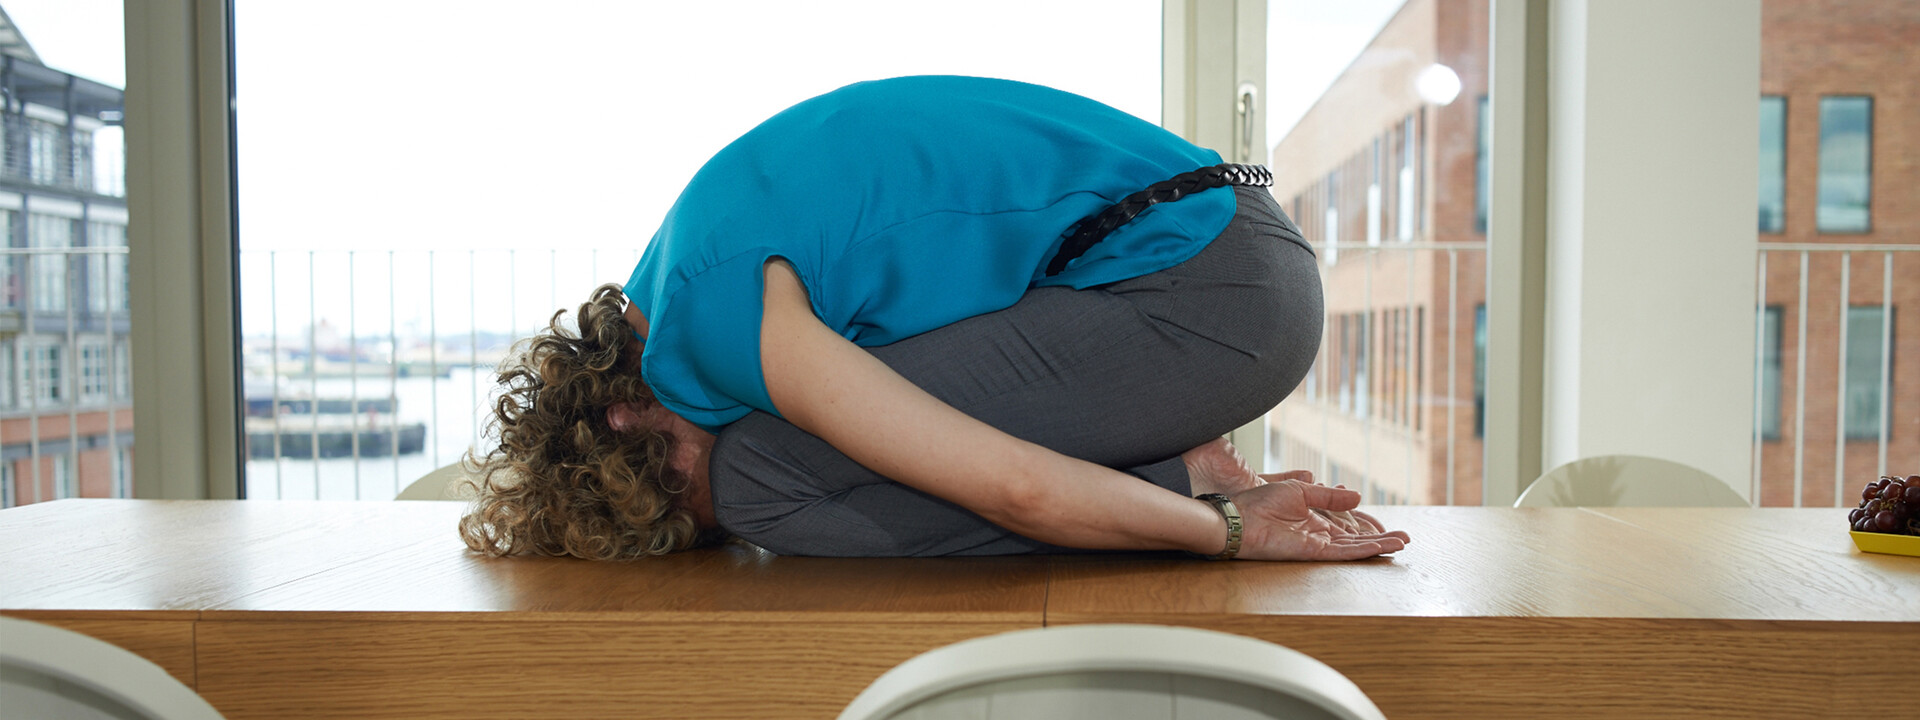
1884, 543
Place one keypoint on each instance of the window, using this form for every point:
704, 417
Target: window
95, 374
1404, 218
1331, 225
1773, 164
44, 369
12, 266
65, 485
44, 152
1480, 370
122, 472
6, 485
1769, 406
8, 378
1866, 411
106, 274
1419, 363
122, 372
1362, 358
1481, 173
415, 312
1345, 361
1846, 164
1373, 194
49, 274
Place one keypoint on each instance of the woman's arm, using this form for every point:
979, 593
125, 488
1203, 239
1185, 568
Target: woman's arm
826, 385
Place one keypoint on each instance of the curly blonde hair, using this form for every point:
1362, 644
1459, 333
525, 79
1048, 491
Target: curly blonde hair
562, 481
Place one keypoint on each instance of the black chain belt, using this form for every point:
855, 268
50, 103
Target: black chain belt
1095, 227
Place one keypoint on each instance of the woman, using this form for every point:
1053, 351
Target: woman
877, 325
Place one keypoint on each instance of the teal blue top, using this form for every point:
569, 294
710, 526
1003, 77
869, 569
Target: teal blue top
904, 205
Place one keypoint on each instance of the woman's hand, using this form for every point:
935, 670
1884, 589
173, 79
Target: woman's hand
1287, 519
1217, 467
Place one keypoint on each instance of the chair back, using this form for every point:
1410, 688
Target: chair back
48, 672
1117, 672
442, 484
1628, 481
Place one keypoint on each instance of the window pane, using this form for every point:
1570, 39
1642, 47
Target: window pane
1773, 164
1846, 158
1824, 67
1865, 407
64, 215
393, 266
1769, 408
1480, 172
1378, 109
1480, 370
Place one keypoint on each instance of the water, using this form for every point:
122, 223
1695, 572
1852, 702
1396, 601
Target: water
453, 425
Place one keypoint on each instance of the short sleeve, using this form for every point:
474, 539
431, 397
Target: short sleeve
702, 357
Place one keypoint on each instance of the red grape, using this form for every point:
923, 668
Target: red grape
1885, 521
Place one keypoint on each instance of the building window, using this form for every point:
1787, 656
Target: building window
1866, 411
44, 370
1773, 163
1404, 218
64, 483
1419, 364
122, 375
1345, 380
1362, 359
12, 265
1373, 194
1480, 370
45, 147
1769, 406
122, 472
1481, 172
106, 273
8, 380
1846, 164
96, 378
1331, 226
49, 275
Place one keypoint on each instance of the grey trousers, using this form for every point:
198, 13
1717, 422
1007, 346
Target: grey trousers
1127, 375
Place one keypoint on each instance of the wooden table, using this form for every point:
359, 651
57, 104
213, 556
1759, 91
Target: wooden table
311, 609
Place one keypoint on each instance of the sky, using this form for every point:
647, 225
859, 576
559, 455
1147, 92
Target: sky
523, 136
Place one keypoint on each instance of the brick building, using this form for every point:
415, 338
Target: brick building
1395, 405
66, 413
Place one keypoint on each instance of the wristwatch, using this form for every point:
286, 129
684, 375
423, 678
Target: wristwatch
1224, 505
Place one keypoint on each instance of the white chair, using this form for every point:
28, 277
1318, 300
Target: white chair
1112, 672
1628, 481
442, 484
48, 672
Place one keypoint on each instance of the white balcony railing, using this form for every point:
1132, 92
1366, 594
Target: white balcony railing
1849, 294
64, 378
368, 369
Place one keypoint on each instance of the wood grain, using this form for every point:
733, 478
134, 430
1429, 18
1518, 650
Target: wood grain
189, 555
362, 669
439, 580
1580, 668
278, 609
1533, 562
168, 644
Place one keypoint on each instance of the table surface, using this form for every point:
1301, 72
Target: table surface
234, 559
270, 609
